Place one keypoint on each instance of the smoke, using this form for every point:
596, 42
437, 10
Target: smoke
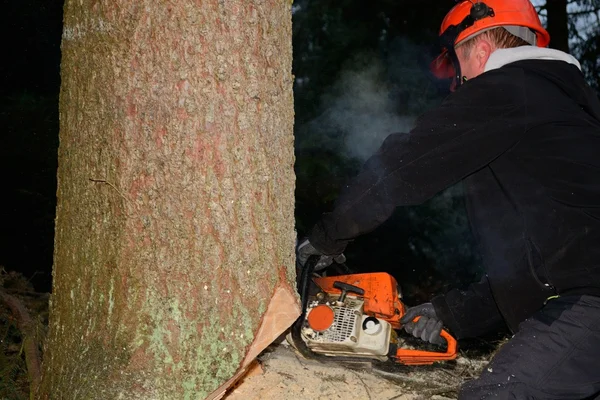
374, 95
360, 111
372, 98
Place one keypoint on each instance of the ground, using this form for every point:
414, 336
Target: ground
282, 373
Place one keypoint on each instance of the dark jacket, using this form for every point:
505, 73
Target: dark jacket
525, 138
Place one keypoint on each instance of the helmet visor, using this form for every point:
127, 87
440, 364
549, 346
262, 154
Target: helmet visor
442, 67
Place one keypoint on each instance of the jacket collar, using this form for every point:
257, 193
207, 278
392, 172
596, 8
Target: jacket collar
501, 57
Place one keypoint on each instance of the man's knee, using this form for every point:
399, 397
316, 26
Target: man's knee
553, 356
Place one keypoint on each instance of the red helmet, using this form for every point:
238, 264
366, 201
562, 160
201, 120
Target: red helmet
468, 18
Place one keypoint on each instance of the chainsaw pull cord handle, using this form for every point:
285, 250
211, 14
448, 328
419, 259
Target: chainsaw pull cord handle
345, 288
423, 357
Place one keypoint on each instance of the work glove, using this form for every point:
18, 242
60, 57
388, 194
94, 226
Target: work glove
427, 328
305, 250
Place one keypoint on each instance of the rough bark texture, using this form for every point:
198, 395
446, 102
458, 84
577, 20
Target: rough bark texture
174, 222
558, 24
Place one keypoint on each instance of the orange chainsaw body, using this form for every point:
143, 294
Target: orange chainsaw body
382, 300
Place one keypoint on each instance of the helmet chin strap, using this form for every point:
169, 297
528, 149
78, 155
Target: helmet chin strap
458, 78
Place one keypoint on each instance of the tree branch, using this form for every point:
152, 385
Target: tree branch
25, 324
582, 12
578, 35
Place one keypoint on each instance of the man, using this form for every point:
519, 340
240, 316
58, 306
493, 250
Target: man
522, 132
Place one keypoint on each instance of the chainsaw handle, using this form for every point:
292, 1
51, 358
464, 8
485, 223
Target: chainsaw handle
424, 357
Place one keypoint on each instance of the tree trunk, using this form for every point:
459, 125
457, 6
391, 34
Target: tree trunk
174, 246
558, 24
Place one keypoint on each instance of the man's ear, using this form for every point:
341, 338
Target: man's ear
484, 51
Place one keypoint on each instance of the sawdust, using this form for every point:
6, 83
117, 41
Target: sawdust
286, 375
281, 373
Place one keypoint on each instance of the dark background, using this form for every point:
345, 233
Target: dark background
361, 73
30, 73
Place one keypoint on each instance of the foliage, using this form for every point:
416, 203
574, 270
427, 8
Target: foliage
588, 52
584, 30
583, 18
13, 371
14, 381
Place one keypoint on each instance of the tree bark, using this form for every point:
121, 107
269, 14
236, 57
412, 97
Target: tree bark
174, 224
558, 24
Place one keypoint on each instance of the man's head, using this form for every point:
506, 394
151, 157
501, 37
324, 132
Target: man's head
473, 29
473, 53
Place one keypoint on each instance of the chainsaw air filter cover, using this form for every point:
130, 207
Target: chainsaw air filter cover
321, 318
335, 328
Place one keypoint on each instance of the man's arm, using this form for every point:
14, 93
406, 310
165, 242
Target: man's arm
469, 313
475, 125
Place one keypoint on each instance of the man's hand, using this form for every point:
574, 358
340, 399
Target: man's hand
305, 250
428, 327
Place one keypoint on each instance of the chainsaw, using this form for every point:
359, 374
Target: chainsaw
357, 317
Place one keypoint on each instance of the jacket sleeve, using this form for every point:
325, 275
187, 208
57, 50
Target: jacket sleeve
471, 128
469, 313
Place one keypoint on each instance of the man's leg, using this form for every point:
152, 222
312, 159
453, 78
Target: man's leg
555, 355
